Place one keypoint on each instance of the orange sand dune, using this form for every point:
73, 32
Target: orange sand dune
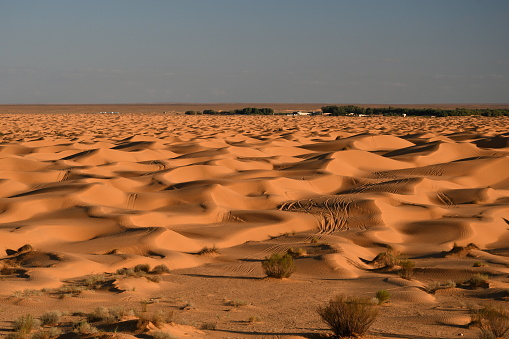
95, 193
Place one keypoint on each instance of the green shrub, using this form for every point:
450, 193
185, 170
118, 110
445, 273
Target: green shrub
478, 280
406, 270
278, 265
208, 326
494, 322
25, 324
387, 259
142, 268
348, 316
51, 318
208, 250
85, 328
382, 296
160, 269
479, 264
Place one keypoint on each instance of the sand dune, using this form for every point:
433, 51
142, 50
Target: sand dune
96, 193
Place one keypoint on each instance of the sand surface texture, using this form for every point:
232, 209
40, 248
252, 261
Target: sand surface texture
91, 194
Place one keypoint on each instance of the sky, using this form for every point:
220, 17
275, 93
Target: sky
246, 51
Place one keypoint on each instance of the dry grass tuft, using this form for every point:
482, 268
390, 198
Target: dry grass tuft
278, 265
348, 316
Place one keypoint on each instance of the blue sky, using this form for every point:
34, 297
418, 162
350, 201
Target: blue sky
324, 51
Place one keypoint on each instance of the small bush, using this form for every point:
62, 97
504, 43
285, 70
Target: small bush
160, 269
382, 296
478, 280
208, 326
142, 268
85, 328
406, 270
387, 259
348, 316
208, 250
25, 324
278, 265
494, 322
51, 318
254, 319
479, 264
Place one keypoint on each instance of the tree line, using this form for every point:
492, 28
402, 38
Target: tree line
356, 110
398, 111
243, 111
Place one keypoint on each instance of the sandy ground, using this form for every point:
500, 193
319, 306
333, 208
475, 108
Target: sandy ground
92, 194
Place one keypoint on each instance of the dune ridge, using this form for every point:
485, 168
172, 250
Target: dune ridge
100, 192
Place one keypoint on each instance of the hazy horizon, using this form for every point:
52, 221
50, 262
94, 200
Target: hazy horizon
231, 51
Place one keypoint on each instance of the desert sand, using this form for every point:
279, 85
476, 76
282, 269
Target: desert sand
94, 193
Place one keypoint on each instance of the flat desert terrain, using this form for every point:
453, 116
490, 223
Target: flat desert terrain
86, 198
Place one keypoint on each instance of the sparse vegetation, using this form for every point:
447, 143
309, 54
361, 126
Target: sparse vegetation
477, 281
161, 269
479, 264
279, 265
84, 327
383, 297
348, 316
208, 250
25, 324
209, 326
51, 318
387, 259
493, 322
406, 270
254, 319
142, 268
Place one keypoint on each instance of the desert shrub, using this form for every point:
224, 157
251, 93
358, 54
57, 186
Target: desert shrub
51, 318
155, 278
25, 324
296, 252
101, 313
494, 322
387, 259
50, 333
382, 296
208, 250
406, 270
278, 265
142, 268
479, 264
160, 269
84, 327
160, 317
348, 316
254, 319
209, 326
478, 280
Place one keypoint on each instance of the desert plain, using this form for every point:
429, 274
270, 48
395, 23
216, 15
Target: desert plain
84, 196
